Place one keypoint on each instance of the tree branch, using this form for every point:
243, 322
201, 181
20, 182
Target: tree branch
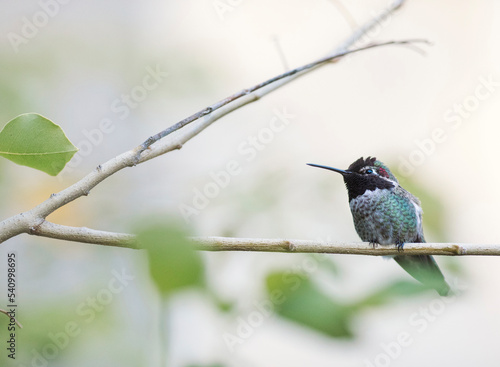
288, 76
360, 248
83, 234
33, 221
221, 108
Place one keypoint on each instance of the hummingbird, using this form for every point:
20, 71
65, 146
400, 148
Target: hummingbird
384, 213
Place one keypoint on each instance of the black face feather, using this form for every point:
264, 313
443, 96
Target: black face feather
360, 163
358, 181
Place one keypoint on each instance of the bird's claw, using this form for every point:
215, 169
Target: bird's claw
400, 246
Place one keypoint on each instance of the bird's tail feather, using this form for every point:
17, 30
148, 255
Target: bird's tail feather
424, 269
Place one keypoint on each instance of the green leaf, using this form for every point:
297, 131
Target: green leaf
295, 297
34, 141
173, 262
299, 300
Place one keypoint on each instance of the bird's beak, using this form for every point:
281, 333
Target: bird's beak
341, 171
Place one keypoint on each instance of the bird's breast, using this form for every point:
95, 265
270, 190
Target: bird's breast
383, 217
368, 201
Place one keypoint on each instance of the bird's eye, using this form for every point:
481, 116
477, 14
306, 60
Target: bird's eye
369, 170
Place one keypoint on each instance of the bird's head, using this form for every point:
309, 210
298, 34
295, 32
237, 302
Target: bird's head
365, 174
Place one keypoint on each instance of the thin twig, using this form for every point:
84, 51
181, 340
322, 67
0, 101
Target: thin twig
345, 13
244, 92
15, 320
356, 248
279, 50
216, 244
85, 235
279, 81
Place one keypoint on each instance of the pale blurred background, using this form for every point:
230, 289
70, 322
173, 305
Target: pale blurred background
388, 102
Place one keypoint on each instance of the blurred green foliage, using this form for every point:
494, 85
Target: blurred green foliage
301, 301
53, 334
306, 305
173, 262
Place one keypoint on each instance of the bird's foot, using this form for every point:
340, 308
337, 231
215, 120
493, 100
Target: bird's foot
373, 244
400, 246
